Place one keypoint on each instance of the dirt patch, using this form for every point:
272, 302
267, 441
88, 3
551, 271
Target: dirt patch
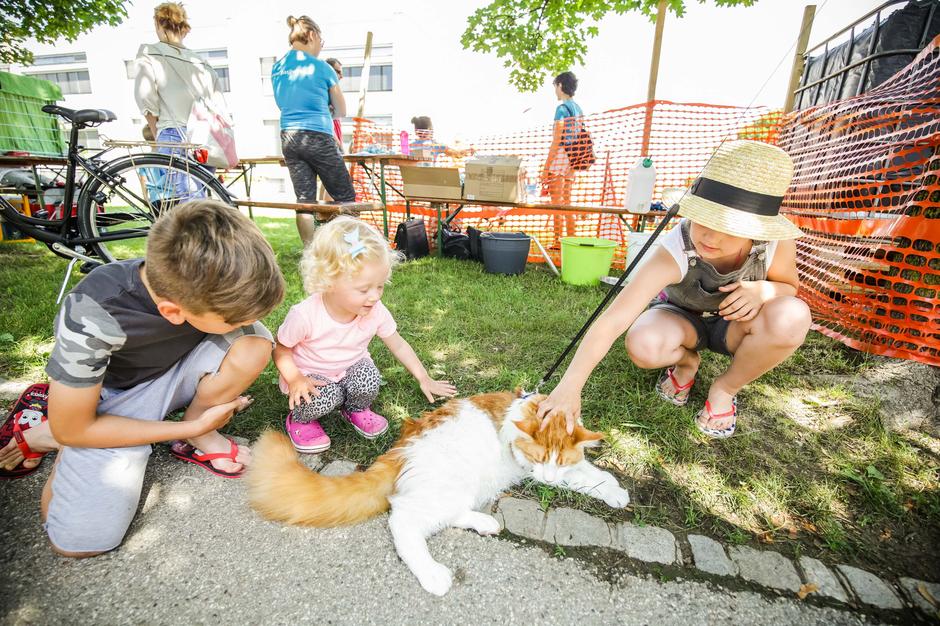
907, 393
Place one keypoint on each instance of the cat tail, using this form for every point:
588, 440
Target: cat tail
283, 489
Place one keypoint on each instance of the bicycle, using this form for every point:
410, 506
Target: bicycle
118, 199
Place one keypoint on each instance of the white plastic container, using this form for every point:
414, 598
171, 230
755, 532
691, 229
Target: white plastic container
639, 194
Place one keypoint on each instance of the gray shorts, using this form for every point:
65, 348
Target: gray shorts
95, 491
712, 330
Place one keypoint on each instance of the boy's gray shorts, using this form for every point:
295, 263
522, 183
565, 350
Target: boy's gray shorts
95, 491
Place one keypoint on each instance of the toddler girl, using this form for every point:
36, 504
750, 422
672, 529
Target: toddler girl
322, 346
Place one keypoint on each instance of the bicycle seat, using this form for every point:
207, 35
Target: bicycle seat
81, 116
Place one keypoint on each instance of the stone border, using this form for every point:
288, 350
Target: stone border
766, 568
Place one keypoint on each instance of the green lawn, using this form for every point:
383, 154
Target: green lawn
810, 470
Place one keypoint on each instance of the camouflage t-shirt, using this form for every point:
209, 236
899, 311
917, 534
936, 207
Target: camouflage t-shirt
109, 330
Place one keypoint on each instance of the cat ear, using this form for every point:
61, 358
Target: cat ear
528, 425
587, 438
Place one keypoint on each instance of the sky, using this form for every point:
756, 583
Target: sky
717, 55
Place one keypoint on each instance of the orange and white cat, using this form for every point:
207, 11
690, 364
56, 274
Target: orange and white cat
443, 467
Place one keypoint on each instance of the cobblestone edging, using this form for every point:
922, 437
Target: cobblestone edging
650, 544
845, 584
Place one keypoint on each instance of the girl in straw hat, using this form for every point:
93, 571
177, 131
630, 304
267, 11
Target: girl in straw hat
724, 279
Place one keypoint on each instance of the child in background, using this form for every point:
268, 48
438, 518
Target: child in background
724, 279
322, 346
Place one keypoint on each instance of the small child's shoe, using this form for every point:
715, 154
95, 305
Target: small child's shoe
309, 438
368, 423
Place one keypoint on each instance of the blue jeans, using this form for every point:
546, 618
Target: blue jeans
175, 186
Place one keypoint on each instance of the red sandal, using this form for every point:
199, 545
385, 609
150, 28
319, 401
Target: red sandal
681, 396
715, 433
185, 452
31, 410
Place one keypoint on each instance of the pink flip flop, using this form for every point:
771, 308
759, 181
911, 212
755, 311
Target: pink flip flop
185, 452
31, 410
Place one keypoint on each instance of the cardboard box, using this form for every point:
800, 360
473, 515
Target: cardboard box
498, 178
431, 182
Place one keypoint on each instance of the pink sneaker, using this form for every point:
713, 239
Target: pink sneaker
309, 438
368, 423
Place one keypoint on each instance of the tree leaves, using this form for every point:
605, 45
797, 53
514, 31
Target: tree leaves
538, 37
48, 21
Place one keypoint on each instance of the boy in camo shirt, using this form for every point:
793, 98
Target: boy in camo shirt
136, 340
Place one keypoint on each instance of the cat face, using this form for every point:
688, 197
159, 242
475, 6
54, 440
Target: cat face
550, 451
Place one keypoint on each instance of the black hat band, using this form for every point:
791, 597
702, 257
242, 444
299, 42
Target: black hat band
736, 198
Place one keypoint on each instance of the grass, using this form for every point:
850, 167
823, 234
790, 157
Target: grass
812, 470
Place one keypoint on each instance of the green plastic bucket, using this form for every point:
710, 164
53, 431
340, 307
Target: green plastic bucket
585, 259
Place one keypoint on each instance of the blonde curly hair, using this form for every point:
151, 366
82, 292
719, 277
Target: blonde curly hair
327, 258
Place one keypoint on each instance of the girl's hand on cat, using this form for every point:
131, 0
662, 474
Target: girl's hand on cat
438, 388
744, 302
301, 389
560, 401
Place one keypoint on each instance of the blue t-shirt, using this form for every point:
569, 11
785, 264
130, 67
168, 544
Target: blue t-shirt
569, 108
302, 91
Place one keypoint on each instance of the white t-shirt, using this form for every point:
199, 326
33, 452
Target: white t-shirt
672, 242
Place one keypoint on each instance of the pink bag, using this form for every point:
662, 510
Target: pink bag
208, 128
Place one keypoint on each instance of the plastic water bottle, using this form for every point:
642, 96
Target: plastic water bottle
639, 192
405, 146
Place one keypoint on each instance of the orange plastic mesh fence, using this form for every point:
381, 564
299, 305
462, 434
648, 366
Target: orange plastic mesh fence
680, 139
866, 194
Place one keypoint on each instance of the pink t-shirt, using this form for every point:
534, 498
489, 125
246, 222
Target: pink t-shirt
323, 346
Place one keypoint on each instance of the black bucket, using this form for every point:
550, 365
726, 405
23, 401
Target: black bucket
504, 253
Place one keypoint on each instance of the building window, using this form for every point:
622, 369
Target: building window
266, 64
88, 137
223, 78
59, 59
218, 54
380, 78
273, 129
70, 82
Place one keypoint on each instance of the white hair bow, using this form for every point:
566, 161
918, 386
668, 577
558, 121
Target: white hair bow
356, 247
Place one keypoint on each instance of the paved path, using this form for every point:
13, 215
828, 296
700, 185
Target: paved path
197, 554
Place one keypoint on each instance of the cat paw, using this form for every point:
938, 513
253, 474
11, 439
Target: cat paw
480, 522
486, 525
617, 498
436, 579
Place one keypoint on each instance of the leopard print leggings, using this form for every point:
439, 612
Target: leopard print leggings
355, 392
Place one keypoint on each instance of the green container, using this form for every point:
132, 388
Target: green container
23, 125
585, 259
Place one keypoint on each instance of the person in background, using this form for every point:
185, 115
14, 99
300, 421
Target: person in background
424, 139
304, 88
557, 173
337, 124
169, 78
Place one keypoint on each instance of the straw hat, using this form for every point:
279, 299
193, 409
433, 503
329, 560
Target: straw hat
740, 190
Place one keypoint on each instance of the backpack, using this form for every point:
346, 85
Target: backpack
580, 148
411, 238
455, 243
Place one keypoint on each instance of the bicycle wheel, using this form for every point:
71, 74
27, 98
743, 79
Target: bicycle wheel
121, 202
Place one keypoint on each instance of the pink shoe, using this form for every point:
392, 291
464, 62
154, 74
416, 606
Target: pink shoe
368, 423
309, 438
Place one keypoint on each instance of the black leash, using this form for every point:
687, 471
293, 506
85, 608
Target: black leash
671, 213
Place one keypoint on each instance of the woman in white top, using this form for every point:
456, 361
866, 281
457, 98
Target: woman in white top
170, 77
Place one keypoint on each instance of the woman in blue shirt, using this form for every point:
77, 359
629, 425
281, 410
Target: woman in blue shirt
557, 173
304, 89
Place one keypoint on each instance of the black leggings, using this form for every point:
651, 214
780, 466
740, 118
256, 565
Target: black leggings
355, 392
310, 154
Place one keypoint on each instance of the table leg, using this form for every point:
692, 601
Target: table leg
440, 231
39, 197
382, 197
247, 172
